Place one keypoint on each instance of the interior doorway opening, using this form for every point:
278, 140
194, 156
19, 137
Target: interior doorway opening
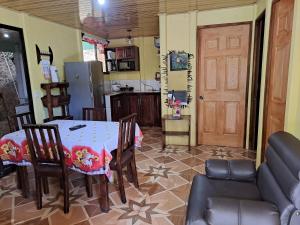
256, 80
14, 77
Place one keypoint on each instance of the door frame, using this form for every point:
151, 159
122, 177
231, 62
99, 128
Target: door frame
199, 28
256, 79
267, 81
26, 71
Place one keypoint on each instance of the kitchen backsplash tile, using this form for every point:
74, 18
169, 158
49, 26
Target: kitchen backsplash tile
139, 85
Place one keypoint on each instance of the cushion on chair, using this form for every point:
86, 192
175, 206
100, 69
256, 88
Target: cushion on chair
225, 211
239, 170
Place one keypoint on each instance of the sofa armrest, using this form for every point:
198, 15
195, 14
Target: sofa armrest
226, 211
239, 170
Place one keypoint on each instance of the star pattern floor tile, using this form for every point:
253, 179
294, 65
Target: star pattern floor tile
164, 175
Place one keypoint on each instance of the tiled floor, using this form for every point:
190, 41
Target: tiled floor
164, 175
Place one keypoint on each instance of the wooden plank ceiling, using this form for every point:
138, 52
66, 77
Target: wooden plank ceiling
115, 17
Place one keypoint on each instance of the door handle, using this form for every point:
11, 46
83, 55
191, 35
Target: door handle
201, 97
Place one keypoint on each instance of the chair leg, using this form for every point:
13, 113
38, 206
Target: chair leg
38, 184
24, 181
104, 201
45, 185
129, 173
89, 185
61, 183
134, 172
121, 185
19, 177
66, 195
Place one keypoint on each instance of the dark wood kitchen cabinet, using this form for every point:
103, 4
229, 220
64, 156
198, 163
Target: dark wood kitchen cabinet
147, 109
115, 102
146, 105
119, 107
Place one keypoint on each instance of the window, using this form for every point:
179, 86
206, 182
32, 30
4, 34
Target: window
93, 52
89, 51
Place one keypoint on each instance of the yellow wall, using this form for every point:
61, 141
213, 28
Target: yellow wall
64, 41
184, 38
149, 59
179, 32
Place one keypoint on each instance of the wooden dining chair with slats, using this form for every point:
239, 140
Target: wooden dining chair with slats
124, 156
48, 159
16, 123
92, 114
95, 114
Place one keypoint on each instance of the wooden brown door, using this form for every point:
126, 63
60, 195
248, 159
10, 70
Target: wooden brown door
223, 60
278, 67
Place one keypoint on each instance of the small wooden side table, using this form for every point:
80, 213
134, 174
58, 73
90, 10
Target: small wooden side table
175, 133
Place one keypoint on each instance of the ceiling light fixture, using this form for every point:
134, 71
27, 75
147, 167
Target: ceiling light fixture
101, 2
6, 35
129, 37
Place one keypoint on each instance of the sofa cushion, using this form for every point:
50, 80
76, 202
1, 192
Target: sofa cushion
239, 170
203, 187
226, 211
270, 191
283, 157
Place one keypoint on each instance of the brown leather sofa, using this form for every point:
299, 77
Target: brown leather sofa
233, 193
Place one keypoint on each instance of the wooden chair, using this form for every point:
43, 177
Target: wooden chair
92, 114
95, 114
47, 157
124, 155
16, 123
5, 170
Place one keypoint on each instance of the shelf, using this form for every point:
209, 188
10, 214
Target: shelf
58, 118
51, 101
54, 85
56, 101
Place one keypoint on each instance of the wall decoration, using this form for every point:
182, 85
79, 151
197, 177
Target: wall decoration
178, 61
40, 53
164, 75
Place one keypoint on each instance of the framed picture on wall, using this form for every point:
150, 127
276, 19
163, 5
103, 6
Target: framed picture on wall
178, 61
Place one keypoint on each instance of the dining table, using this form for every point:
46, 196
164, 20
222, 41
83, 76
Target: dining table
87, 150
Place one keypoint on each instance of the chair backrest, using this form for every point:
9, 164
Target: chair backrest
279, 177
45, 145
95, 114
126, 140
19, 120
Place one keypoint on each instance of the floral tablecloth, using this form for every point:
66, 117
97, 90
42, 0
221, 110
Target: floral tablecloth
87, 150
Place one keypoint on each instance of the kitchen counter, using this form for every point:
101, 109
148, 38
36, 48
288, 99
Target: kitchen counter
130, 92
147, 105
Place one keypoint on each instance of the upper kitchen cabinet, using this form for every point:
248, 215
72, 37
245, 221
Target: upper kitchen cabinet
122, 59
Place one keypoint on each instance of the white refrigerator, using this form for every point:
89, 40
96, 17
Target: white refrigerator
86, 86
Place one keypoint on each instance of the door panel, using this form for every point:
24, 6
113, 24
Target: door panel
222, 81
210, 117
231, 117
278, 68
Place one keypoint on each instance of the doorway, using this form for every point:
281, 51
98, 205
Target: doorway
256, 79
222, 77
277, 68
14, 77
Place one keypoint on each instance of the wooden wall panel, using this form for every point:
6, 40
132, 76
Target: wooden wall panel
114, 18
